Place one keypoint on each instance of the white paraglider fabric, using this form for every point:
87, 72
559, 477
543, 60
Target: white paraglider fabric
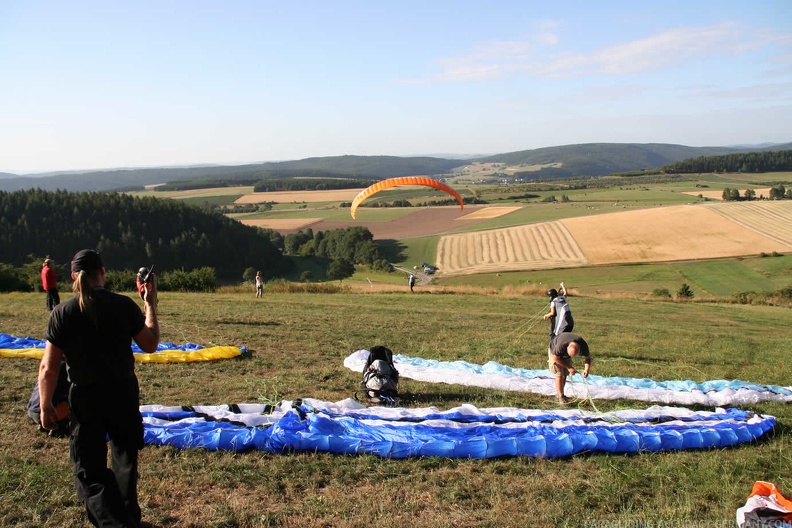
493, 375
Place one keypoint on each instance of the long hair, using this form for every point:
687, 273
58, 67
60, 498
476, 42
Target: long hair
82, 287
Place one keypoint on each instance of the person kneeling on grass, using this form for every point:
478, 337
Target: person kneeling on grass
563, 348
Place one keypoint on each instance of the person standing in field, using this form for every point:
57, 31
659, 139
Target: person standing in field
259, 285
49, 282
411, 282
563, 349
560, 314
94, 331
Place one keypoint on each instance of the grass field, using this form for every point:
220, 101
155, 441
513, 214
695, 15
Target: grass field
708, 278
298, 342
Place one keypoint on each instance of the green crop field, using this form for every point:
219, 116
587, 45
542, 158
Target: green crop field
298, 342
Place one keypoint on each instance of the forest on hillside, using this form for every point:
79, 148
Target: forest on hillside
131, 232
747, 162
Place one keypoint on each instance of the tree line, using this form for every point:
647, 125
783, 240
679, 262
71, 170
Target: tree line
131, 232
749, 162
351, 245
309, 184
777, 192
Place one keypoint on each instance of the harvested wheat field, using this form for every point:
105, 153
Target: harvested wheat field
284, 224
536, 246
486, 213
648, 235
340, 195
665, 234
772, 218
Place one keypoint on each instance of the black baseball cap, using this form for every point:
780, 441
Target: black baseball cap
86, 260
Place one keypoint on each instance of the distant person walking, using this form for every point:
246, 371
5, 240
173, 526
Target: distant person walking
411, 282
563, 349
259, 285
560, 314
49, 281
94, 331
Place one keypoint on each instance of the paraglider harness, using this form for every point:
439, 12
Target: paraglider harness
380, 378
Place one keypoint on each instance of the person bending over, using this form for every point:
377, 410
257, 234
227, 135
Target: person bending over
563, 349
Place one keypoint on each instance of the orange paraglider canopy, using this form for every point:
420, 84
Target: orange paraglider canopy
404, 180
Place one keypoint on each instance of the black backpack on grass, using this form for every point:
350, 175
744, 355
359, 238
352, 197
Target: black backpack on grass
380, 377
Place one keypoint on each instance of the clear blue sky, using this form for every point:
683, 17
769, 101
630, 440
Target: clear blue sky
96, 84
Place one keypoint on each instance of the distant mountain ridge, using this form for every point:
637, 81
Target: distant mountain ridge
588, 159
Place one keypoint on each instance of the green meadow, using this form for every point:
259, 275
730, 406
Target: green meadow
297, 343
709, 279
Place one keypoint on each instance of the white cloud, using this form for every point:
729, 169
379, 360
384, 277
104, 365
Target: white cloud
656, 52
758, 92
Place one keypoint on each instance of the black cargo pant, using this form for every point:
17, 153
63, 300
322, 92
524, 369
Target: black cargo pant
53, 299
101, 412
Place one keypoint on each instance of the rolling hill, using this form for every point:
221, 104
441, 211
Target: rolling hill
591, 159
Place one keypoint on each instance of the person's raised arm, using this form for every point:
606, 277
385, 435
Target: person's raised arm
562, 290
148, 338
48, 380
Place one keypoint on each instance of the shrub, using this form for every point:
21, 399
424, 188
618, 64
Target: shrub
249, 274
12, 280
662, 293
120, 281
684, 292
197, 280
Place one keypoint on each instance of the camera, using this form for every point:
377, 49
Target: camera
144, 276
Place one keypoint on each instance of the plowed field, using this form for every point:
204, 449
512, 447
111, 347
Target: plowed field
536, 246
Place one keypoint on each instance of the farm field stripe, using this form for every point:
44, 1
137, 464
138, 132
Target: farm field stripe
684, 232
535, 246
769, 218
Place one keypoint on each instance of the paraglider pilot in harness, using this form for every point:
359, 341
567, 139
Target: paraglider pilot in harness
380, 377
560, 314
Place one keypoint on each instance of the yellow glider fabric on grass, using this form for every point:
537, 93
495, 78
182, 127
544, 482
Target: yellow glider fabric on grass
404, 180
181, 356
166, 356
28, 347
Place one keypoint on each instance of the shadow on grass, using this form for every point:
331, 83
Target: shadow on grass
392, 250
250, 323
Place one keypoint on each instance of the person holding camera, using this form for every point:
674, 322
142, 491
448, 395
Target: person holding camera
94, 331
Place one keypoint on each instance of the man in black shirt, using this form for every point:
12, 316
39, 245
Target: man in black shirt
94, 331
